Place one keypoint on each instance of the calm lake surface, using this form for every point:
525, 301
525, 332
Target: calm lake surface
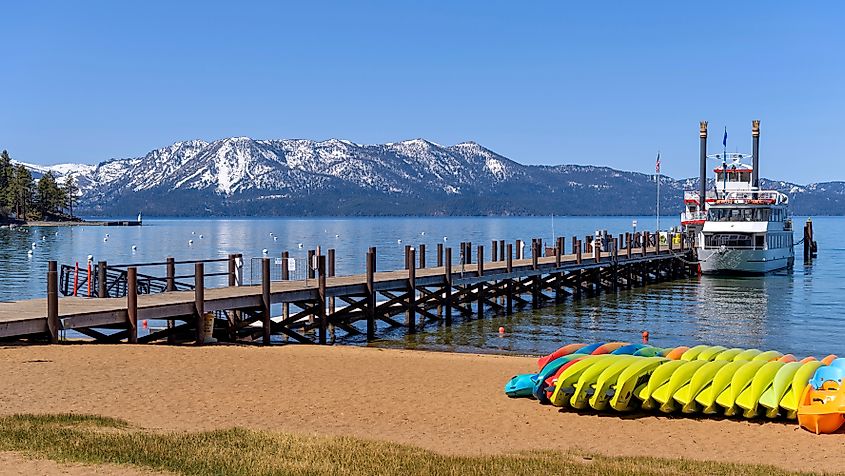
798, 311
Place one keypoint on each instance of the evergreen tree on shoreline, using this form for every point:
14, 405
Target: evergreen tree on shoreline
20, 191
71, 191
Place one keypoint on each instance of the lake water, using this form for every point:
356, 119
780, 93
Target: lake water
798, 311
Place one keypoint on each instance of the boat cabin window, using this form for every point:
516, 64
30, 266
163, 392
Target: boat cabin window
729, 240
742, 214
733, 176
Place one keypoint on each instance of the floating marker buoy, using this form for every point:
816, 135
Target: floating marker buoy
107, 235
105, 238
445, 238
275, 238
501, 330
34, 245
264, 251
337, 236
200, 236
193, 233
134, 248
300, 245
144, 324
190, 242
645, 337
422, 233
399, 241
29, 252
43, 238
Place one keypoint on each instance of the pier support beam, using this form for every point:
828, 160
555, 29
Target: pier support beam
321, 298
411, 314
53, 302
265, 300
371, 295
199, 299
132, 303
447, 299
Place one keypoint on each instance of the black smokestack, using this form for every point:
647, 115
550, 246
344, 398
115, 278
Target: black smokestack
755, 153
703, 165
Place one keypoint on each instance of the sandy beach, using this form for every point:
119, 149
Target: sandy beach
450, 403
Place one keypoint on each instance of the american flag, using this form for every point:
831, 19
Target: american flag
657, 164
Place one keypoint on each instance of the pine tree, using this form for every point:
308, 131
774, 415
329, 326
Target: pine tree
71, 191
6, 174
20, 191
49, 198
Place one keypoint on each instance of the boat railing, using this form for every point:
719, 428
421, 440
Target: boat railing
752, 197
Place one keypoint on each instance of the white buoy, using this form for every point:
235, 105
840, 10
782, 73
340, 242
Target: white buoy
271, 233
200, 236
299, 245
445, 238
57, 233
264, 251
34, 245
29, 252
422, 233
193, 233
275, 238
399, 241
90, 257
190, 242
337, 236
43, 238
105, 238
134, 248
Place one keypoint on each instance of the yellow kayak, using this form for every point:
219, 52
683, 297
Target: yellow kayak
658, 378
747, 354
749, 399
631, 378
680, 377
771, 398
606, 385
583, 389
729, 354
792, 398
564, 386
693, 352
722, 380
711, 353
767, 356
699, 381
740, 380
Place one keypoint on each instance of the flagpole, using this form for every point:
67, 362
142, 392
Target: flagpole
657, 169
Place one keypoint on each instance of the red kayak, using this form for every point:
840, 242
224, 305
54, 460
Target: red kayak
565, 350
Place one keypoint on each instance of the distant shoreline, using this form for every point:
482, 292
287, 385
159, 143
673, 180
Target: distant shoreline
72, 223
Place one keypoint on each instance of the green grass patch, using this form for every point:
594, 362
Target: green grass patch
236, 451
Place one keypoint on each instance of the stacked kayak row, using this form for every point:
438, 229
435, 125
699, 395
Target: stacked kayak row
700, 379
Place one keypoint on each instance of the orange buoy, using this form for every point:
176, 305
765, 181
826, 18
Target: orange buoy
501, 330
645, 337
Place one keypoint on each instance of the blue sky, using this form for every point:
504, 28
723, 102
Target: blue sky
600, 83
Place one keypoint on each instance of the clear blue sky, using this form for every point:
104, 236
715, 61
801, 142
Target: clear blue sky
541, 82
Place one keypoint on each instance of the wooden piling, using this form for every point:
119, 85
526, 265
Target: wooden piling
331, 272
411, 314
102, 277
469, 252
171, 273
501, 250
53, 301
480, 296
310, 264
407, 256
422, 256
519, 250
578, 248
371, 295
321, 298
644, 243
447, 298
132, 303
509, 294
439, 255
265, 301
199, 299
559, 251
494, 251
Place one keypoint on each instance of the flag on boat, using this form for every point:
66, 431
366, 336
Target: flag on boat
657, 164
725, 138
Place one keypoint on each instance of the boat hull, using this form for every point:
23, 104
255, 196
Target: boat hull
733, 261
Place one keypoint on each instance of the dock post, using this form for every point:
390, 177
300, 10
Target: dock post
644, 243
171, 274
509, 293
285, 277
657, 242
578, 248
321, 298
535, 251
331, 272
422, 255
519, 248
559, 251
615, 245
407, 256
132, 303
501, 250
411, 315
808, 238
199, 299
494, 252
375, 257
439, 255
53, 302
371, 295
481, 282
231, 270
265, 300
535, 280
310, 264
102, 285
628, 245
447, 308
469, 252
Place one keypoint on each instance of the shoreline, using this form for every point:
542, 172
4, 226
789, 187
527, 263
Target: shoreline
449, 403
72, 223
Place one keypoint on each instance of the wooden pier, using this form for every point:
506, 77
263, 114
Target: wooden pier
313, 310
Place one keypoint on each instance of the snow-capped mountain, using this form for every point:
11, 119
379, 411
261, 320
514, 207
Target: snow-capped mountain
242, 176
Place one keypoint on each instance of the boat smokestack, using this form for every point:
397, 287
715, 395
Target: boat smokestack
702, 185
755, 153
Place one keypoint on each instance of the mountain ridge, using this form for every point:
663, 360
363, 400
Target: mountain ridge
303, 177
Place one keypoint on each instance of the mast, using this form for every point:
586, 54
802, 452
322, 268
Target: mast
702, 185
657, 169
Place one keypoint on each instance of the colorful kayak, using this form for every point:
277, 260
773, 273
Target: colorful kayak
739, 381
585, 386
649, 351
680, 377
631, 378
711, 352
729, 354
722, 380
749, 399
792, 398
767, 356
549, 384
659, 377
692, 353
588, 349
565, 350
565, 384
676, 353
608, 347
605, 386
520, 386
539, 391
703, 377
747, 354
770, 400
629, 349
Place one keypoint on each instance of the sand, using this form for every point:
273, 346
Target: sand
12, 464
451, 403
